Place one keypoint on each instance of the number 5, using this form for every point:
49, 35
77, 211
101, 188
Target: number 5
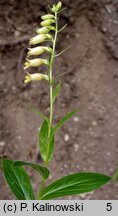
109, 207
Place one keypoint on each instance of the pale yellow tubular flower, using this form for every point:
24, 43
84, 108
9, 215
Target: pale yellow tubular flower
40, 38
48, 16
47, 22
35, 62
38, 50
37, 39
45, 30
35, 77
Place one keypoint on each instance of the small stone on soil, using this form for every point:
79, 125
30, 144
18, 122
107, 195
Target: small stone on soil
66, 138
94, 123
17, 33
76, 147
75, 119
19, 137
2, 144
65, 166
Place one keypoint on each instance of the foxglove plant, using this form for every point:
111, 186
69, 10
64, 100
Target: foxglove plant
16, 176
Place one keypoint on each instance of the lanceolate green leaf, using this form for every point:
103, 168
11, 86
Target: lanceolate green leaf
46, 144
44, 172
74, 184
43, 139
18, 180
56, 91
66, 117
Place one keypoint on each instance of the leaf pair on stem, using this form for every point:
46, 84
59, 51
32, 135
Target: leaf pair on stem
77, 183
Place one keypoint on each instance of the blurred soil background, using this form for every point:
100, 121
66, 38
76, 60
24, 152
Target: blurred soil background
89, 141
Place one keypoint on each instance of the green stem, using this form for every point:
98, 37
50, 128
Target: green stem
51, 101
41, 189
51, 87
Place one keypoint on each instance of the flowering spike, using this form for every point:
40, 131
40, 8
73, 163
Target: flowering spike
35, 62
35, 77
48, 16
47, 22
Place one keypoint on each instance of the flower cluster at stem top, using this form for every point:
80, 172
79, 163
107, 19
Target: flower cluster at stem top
43, 35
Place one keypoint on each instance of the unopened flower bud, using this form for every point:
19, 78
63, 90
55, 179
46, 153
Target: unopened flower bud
47, 22
35, 62
54, 8
35, 77
48, 16
58, 6
38, 50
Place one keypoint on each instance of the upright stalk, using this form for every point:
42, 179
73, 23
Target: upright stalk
51, 99
51, 85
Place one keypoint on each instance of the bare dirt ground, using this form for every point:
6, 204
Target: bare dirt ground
89, 141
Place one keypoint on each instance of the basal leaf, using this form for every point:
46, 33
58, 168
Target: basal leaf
66, 117
44, 172
56, 91
46, 144
18, 180
74, 184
